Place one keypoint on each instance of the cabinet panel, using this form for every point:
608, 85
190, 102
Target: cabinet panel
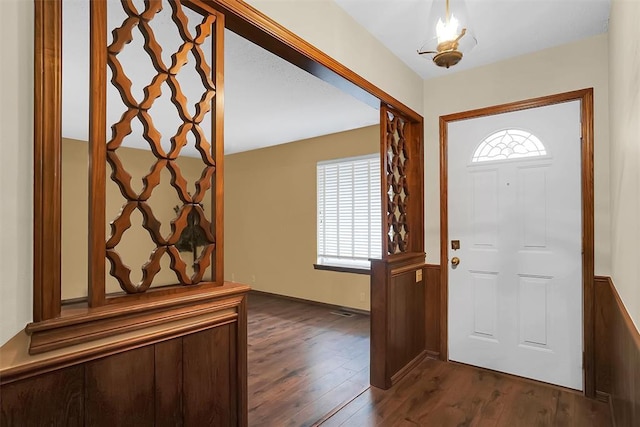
53, 399
120, 389
209, 387
406, 320
168, 372
191, 380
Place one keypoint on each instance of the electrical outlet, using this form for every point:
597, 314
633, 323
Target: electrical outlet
361, 296
418, 276
253, 279
233, 277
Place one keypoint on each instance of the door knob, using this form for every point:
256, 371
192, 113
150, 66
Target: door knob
455, 261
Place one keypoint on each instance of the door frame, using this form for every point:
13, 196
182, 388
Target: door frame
585, 96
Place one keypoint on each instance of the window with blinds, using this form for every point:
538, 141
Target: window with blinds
349, 211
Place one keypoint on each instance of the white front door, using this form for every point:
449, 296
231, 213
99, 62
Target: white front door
514, 197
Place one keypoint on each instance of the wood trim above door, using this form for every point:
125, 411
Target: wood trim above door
585, 96
248, 22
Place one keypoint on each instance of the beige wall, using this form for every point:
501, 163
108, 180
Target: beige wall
561, 69
328, 27
624, 87
16, 173
136, 244
270, 219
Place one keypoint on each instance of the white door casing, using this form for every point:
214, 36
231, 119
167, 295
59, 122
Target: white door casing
515, 299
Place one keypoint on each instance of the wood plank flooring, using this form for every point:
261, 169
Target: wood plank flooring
310, 367
443, 394
303, 361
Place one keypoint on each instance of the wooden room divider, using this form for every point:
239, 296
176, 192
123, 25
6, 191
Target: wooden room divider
175, 352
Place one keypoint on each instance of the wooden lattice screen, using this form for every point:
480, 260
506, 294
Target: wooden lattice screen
138, 22
397, 160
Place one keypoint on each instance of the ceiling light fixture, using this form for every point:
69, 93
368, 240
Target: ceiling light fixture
452, 34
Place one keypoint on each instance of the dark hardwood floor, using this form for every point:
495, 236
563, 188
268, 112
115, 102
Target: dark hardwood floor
308, 366
443, 394
303, 360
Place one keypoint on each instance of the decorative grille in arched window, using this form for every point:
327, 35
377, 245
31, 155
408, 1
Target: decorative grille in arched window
508, 144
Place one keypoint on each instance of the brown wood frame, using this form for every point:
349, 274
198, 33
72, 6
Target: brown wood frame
585, 96
47, 160
97, 151
47, 165
53, 326
217, 198
414, 135
240, 18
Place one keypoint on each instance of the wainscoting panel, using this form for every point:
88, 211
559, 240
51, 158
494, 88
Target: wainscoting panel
189, 381
397, 318
168, 387
432, 310
52, 399
209, 392
116, 387
605, 306
617, 354
192, 379
406, 320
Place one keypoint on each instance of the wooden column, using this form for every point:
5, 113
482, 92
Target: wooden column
398, 338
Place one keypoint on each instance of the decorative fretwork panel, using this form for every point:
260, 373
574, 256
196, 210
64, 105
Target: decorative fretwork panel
397, 185
187, 127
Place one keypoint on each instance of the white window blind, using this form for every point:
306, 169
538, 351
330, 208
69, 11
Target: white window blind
349, 211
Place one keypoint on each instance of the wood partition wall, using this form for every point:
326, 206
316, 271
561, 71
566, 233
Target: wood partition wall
147, 353
398, 287
176, 354
99, 315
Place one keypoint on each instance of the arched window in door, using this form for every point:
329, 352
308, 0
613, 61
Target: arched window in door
508, 144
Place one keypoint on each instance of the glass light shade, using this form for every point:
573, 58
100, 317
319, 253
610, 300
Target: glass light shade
450, 34
447, 31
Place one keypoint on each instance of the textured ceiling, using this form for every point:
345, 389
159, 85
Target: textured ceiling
267, 100
503, 28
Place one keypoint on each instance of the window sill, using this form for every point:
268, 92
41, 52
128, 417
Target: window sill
343, 269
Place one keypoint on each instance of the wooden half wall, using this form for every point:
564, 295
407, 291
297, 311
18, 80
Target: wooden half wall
192, 373
617, 354
405, 311
397, 319
183, 381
